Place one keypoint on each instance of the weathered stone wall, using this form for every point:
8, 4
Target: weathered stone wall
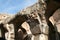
30, 22
37, 11
5, 18
33, 12
7, 34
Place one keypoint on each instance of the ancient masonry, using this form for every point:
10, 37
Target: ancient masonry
30, 24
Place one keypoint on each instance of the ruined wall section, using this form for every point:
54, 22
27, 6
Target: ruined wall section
38, 11
30, 9
37, 8
5, 18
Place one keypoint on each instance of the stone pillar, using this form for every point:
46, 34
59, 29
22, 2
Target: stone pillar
26, 26
44, 32
43, 27
10, 34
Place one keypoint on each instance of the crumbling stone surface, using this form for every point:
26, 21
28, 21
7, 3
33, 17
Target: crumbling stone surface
33, 13
18, 19
30, 21
5, 18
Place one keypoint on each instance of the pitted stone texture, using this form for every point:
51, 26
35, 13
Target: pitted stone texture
5, 18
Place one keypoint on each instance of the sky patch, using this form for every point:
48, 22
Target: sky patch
14, 6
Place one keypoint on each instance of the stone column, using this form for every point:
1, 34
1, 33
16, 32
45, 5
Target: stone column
44, 32
26, 26
10, 34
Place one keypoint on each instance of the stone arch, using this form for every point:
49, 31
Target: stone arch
17, 21
51, 7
